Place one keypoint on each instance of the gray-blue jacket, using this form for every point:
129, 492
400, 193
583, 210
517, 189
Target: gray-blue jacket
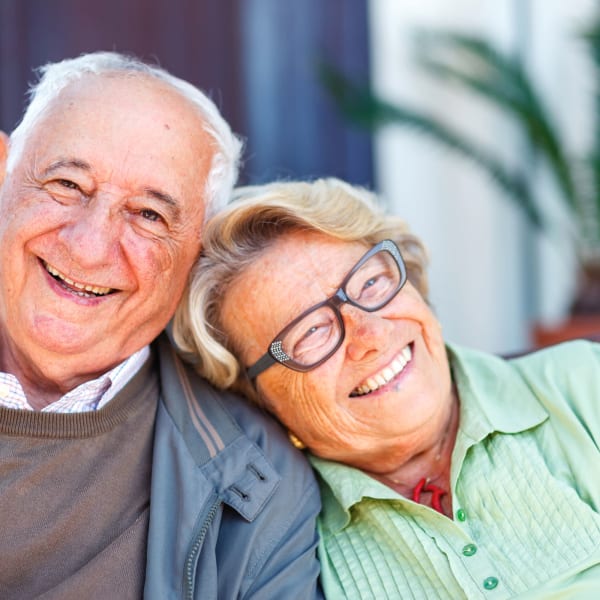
233, 505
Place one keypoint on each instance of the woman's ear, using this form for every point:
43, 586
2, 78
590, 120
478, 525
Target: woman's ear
4, 143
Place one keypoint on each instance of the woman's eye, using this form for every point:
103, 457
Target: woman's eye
374, 284
312, 330
312, 339
375, 288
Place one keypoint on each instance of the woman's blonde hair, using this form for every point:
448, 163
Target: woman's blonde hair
244, 230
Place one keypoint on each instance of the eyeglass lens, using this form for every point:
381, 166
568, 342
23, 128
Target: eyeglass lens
317, 334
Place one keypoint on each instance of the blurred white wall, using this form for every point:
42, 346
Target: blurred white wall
490, 276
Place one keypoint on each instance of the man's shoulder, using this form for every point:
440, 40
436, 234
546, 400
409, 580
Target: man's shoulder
220, 417
214, 448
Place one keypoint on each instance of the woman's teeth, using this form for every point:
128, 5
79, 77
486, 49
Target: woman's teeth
386, 375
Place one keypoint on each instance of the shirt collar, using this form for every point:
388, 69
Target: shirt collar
346, 486
493, 396
90, 395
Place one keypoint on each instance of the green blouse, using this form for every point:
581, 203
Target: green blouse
526, 494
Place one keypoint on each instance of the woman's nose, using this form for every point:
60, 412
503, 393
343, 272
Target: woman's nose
366, 332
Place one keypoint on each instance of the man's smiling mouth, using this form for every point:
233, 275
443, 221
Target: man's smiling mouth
84, 290
385, 375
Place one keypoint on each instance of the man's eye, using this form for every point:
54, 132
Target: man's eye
150, 215
68, 184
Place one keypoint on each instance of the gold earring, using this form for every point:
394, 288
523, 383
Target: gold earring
296, 441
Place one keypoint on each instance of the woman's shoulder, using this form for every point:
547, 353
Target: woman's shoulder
562, 379
569, 353
575, 364
566, 380
568, 358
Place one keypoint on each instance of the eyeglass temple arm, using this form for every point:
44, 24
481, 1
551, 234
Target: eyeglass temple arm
264, 362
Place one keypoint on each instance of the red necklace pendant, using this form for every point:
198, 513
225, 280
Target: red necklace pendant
436, 494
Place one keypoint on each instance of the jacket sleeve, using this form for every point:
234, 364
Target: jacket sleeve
271, 554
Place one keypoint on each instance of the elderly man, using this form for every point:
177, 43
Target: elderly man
122, 473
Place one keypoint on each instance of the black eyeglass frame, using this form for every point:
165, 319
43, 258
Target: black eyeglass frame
276, 354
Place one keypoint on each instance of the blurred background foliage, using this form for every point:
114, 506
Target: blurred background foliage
474, 65
491, 273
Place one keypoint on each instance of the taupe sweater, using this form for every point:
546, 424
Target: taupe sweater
74, 498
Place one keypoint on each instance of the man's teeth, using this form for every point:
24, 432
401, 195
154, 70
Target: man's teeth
386, 375
98, 291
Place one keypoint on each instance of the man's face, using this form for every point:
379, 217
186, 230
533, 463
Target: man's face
101, 220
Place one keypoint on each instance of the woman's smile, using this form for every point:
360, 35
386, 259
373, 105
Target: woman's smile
386, 375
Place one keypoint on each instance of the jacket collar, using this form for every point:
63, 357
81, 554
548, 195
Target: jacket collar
235, 466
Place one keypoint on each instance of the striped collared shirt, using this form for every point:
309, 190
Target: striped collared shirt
89, 396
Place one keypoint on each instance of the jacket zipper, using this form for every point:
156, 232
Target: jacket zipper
192, 558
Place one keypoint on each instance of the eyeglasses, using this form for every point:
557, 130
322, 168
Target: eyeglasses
313, 337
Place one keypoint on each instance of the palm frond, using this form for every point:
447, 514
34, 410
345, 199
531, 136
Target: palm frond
590, 202
361, 107
475, 65
591, 37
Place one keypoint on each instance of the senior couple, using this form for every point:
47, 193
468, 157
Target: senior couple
140, 464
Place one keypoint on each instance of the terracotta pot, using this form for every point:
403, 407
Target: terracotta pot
578, 326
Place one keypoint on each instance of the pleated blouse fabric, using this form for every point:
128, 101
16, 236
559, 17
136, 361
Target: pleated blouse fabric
526, 494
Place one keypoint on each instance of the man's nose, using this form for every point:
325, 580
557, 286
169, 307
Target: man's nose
366, 332
92, 236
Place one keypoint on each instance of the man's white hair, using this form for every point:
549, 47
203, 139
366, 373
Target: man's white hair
54, 77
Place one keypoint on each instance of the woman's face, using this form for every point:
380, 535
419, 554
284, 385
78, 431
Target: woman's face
375, 431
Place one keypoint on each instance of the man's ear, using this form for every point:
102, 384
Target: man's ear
4, 142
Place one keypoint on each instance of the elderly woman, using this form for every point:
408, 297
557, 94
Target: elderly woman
445, 472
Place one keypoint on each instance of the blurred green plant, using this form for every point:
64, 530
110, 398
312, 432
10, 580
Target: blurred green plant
476, 66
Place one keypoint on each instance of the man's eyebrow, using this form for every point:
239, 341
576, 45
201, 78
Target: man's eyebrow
60, 164
164, 197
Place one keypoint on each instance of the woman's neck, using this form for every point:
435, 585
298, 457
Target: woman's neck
425, 478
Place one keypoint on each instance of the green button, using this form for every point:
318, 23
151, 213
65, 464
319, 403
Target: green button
461, 515
489, 583
469, 549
